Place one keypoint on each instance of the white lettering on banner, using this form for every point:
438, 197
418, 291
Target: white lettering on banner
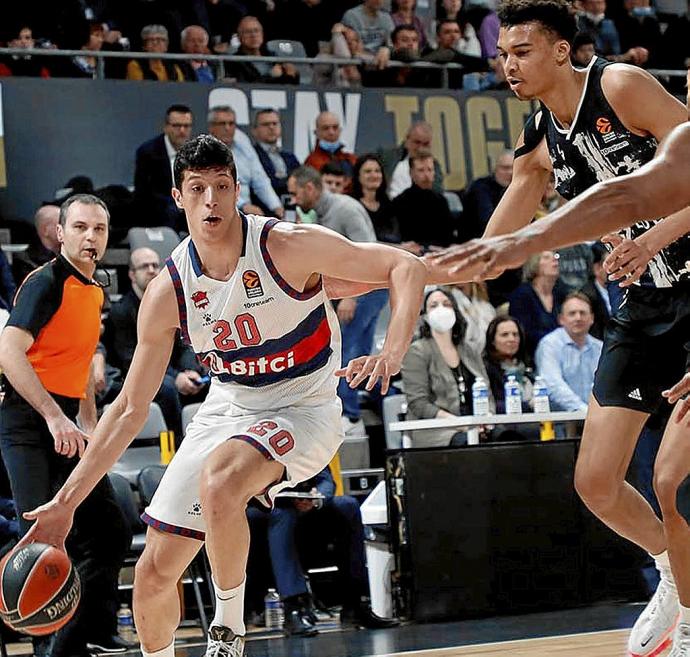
249, 366
235, 98
269, 99
307, 107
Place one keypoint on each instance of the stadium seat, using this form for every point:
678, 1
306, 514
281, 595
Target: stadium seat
278, 47
454, 203
394, 406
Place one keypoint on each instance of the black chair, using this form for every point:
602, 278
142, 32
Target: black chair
148, 480
124, 495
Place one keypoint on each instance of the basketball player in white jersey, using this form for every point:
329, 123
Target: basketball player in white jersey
247, 293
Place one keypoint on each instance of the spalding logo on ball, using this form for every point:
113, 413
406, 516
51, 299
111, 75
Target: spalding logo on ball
39, 589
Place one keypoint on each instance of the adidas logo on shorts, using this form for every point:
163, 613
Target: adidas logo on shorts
635, 394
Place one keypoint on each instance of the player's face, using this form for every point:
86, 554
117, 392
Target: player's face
84, 236
530, 57
507, 339
208, 198
576, 317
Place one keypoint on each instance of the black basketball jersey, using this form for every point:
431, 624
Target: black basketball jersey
596, 147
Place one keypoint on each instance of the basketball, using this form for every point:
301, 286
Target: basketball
39, 589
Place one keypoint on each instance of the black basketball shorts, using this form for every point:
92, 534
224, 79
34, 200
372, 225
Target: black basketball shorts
646, 347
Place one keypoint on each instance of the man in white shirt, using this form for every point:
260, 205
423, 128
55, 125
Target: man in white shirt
418, 139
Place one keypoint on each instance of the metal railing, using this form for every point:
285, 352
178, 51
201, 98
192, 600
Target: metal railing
102, 55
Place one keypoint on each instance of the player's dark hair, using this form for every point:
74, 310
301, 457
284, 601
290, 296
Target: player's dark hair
555, 16
583, 39
203, 152
460, 326
84, 199
180, 109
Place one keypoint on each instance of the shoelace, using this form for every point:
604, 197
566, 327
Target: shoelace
225, 649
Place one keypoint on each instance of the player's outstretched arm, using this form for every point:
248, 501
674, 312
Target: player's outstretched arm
657, 189
157, 322
300, 251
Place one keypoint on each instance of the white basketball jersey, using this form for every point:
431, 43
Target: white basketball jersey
271, 345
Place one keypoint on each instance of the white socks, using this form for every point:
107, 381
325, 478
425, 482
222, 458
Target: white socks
163, 652
229, 609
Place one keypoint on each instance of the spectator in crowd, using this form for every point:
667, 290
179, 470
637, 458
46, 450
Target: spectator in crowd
675, 52
451, 10
333, 177
345, 44
222, 124
439, 370
567, 357
606, 38
583, 49
397, 161
483, 195
251, 36
505, 354
422, 213
23, 65
312, 520
44, 247
406, 49
638, 28
357, 316
597, 291
194, 41
369, 188
404, 13
329, 147
9, 525
486, 26
83, 66
537, 302
277, 163
154, 39
182, 380
374, 26
449, 38
474, 306
153, 170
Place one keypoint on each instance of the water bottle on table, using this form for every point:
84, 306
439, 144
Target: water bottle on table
513, 396
480, 397
125, 623
541, 396
273, 607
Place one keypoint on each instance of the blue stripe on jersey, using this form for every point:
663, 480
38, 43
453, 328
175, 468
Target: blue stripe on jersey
284, 285
303, 330
259, 380
194, 255
179, 294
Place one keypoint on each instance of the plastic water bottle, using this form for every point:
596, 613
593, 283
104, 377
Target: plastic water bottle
273, 607
513, 396
480, 397
125, 623
541, 396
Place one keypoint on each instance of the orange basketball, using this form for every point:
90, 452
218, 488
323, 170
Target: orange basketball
39, 589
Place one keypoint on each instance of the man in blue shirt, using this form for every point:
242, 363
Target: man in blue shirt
567, 357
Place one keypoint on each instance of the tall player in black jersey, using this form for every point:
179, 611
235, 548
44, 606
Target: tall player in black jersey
594, 124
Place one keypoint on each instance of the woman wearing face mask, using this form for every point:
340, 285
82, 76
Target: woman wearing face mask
438, 371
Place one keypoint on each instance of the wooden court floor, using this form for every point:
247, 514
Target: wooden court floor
594, 644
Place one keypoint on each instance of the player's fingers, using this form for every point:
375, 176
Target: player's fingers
682, 410
678, 390
81, 446
364, 371
379, 372
341, 372
71, 448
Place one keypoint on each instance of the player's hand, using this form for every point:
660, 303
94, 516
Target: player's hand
483, 258
381, 367
53, 522
412, 247
679, 393
627, 262
346, 310
67, 437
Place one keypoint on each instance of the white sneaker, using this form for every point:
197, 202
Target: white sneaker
223, 642
353, 429
653, 630
681, 641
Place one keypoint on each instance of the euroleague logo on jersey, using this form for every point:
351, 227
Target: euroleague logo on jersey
604, 126
252, 284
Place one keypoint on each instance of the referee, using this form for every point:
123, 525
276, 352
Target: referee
45, 354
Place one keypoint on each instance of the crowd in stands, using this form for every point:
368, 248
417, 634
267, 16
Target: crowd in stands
375, 32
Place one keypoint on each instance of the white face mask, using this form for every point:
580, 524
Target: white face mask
595, 18
441, 319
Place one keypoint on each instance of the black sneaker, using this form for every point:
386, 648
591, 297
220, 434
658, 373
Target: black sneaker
223, 642
362, 616
109, 645
298, 624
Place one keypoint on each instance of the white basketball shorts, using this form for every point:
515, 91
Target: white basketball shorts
303, 438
